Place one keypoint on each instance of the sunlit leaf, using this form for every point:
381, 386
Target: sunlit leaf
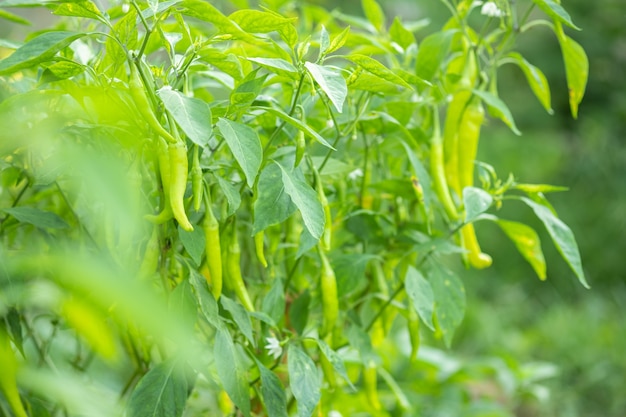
553, 9
528, 244
231, 371
576, 68
421, 294
192, 115
475, 201
245, 145
331, 82
304, 380
449, 299
502, 110
536, 80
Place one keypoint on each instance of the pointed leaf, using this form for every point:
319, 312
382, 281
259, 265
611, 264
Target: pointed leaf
324, 43
193, 242
231, 371
304, 381
373, 66
297, 124
274, 301
39, 49
476, 201
277, 65
421, 294
206, 301
272, 205
338, 41
331, 82
335, 360
536, 80
245, 145
38, 218
528, 244
13, 18
562, 237
162, 392
449, 300
401, 35
231, 193
576, 69
502, 110
191, 114
257, 21
82, 8
273, 392
374, 13
241, 317
431, 53
556, 12
305, 198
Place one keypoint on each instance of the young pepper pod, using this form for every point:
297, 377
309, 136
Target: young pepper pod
440, 184
178, 182
233, 264
212, 249
164, 172
259, 241
197, 183
330, 302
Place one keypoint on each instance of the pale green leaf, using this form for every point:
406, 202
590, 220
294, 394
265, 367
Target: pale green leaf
272, 204
528, 244
331, 82
231, 193
338, 41
305, 198
231, 371
553, 9
193, 242
39, 49
324, 43
373, 66
13, 18
273, 392
257, 21
191, 114
245, 145
502, 110
476, 201
277, 65
449, 299
421, 294
304, 380
206, 301
37, 217
576, 69
240, 316
162, 392
335, 360
82, 8
562, 237
374, 13
536, 80
431, 53
401, 35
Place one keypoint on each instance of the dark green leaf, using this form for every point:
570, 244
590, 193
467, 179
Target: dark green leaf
231, 193
562, 237
39, 49
193, 242
421, 294
241, 317
272, 205
273, 392
299, 312
36, 217
231, 371
304, 380
449, 299
305, 198
274, 301
331, 82
207, 302
245, 145
192, 115
162, 392
350, 272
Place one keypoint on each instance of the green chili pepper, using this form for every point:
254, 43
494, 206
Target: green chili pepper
330, 302
178, 182
440, 183
138, 94
197, 185
8, 383
151, 255
370, 384
413, 324
233, 264
164, 170
259, 240
451, 133
475, 256
212, 248
300, 147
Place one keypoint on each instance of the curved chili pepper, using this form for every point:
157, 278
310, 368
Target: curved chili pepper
178, 182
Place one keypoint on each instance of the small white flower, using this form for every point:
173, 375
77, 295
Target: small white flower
273, 347
334, 413
491, 9
330, 124
357, 173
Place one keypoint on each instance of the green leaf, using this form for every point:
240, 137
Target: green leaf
449, 299
241, 317
401, 35
374, 13
539, 188
556, 12
338, 41
38, 218
274, 301
324, 43
193, 242
245, 145
207, 302
203, 10
304, 380
421, 174
476, 201
231, 193
256, 21
299, 312
576, 69
528, 244
162, 392
360, 341
562, 237
231, 371
350, 272
227, 63
272, 205
305, 198
14, 18
39, 49
331, 82
501, 109
182, 305
277, 65
63, 70
297, 124
81, 8
335, 360
431, 53
373, 66
421, 294
192, 115
536, 80
15, 327
273, 392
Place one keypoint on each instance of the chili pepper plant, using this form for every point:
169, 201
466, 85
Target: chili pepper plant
218, 209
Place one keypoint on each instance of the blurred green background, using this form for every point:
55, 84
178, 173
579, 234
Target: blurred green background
511, 315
